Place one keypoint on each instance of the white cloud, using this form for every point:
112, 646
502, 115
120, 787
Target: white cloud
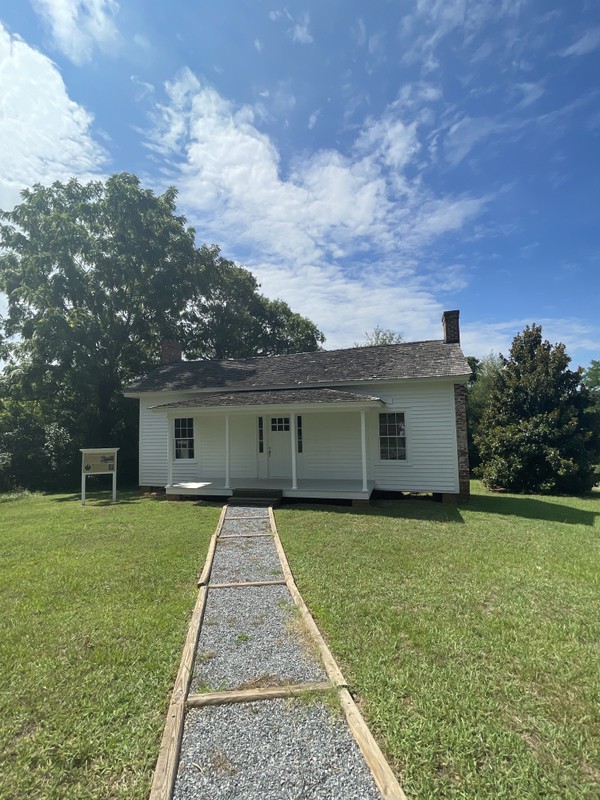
300, 32
431, 21
312, 120
587, 43
465, 134
531, 94
329, 232
258, 45
45, 135
78, 26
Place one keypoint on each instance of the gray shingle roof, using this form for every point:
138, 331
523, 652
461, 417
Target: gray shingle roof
272, 397
430, 359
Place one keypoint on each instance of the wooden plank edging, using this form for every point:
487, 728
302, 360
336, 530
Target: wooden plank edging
205, 574
385, 779
168, 755
258, 693
167, 762
329, 662
383, 776
224, 536
241, 584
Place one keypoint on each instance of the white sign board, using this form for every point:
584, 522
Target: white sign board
99, 461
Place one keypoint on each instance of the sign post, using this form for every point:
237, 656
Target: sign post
99, 461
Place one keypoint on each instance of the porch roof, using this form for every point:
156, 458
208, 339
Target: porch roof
273, 397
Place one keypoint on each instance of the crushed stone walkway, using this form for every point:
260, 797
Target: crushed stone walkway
266, 711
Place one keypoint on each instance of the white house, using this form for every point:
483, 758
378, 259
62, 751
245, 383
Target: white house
327, 424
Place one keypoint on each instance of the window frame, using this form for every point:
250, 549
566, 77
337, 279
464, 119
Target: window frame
261, 435
189, 427
279, 424
391, 436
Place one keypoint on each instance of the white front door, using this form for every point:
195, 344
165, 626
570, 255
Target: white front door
279, 451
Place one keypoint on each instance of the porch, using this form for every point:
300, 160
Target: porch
318, 488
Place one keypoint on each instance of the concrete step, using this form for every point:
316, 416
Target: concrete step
255, 497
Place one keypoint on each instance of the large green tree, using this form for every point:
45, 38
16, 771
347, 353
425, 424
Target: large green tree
591, 378
96, 275
535, 434
478, 392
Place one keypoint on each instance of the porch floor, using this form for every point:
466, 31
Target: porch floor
317, 488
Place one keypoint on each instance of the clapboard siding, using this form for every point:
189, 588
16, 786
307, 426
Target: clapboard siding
153, 443
331, 446
331, 441
431, 465
210, 441
244, 446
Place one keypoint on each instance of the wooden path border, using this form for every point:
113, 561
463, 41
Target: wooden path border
385, 779
257, 693
329, 662
168, 755
241, 584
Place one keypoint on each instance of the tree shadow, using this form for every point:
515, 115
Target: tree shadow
417, 508
528, 507
423, 508
101, 498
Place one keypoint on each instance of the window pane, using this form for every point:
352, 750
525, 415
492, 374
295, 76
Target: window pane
392, 437
184, 438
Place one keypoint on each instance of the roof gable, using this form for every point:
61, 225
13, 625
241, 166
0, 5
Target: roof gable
429, 359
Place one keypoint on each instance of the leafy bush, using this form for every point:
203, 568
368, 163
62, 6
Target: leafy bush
537, 434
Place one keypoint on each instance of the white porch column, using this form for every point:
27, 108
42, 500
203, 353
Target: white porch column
294, 456
363, 448
227, 469
170, 443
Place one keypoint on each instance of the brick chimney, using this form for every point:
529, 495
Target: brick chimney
170, 352
451, 327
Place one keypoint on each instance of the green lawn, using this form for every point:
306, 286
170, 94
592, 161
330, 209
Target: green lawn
471, 636
95, 604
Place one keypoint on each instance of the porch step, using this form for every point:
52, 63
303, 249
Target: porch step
255, 497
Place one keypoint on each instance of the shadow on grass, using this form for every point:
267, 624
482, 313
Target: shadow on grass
533, 508
413, 508
501, 505
102, 498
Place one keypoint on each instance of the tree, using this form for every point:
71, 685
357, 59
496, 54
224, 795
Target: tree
380, 335
535, 435
478, 391
591, 378
96, 276
230, 319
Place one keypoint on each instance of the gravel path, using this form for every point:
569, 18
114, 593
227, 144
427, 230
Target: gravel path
253, 636
237, 525
239, 560
271, 750
247, 511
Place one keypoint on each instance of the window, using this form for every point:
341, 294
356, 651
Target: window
299, 433
280, 423
392, 437
261, 436
184, 438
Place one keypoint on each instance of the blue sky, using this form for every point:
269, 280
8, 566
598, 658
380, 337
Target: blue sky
373, 163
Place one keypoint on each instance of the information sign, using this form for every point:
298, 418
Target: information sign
99, 461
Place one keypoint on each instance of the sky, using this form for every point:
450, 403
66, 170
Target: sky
372, 162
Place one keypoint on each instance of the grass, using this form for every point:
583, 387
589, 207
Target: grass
95, 608
470, 635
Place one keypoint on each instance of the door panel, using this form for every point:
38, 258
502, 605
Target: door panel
279, 451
